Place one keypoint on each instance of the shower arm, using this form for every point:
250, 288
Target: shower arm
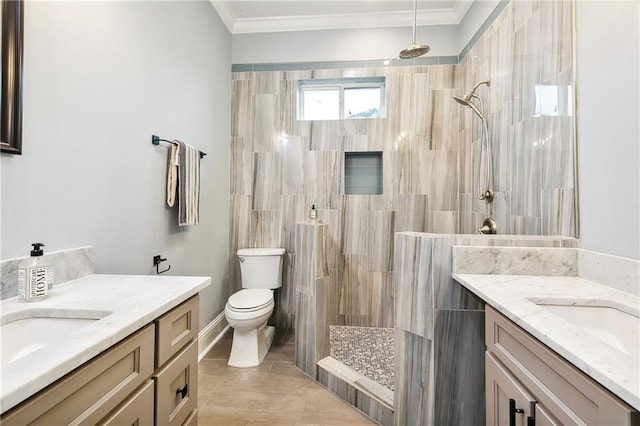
472, 92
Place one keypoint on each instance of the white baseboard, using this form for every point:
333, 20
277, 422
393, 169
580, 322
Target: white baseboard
210, 334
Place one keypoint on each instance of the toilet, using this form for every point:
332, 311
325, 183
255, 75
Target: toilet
248, 310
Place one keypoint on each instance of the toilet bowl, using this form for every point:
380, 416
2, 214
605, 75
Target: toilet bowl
248, 310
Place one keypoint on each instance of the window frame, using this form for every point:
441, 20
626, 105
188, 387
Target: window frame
341, 84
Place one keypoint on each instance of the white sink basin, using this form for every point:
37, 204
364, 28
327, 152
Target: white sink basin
618, 326
25, 331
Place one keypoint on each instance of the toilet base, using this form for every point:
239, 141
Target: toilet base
249, 347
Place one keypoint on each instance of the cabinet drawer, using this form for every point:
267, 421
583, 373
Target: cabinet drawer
175, 329
572, 396
137, 410
179, 374
89, 393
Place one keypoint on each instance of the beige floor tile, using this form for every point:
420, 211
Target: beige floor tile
323, 407
251, 415
274, 393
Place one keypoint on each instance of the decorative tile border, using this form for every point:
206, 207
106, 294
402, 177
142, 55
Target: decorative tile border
487, 23
379, 63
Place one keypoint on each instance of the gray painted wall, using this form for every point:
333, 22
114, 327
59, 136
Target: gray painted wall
358, 44
100, 79
608, 133
477, 14
340, 45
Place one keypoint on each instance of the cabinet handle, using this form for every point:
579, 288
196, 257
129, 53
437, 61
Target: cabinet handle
183, 392
513, 411
531, 420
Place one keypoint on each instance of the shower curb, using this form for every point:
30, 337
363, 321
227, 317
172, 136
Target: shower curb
371, 398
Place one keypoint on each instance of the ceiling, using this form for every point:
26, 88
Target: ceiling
258, 16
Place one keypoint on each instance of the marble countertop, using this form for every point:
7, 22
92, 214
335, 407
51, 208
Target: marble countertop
514, 297
133, 300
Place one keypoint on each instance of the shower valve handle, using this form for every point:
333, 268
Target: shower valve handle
487, 195
488, 227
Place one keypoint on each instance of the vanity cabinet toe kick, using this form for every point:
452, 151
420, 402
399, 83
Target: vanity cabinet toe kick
148, 378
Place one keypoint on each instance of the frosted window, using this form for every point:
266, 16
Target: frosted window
362, 102
342, 98
322, 104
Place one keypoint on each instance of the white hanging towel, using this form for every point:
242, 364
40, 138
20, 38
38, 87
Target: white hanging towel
183, 182
172, 174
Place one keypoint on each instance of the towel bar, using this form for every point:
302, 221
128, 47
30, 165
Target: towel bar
156, 141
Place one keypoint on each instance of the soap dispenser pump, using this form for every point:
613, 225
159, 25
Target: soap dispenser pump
35, 277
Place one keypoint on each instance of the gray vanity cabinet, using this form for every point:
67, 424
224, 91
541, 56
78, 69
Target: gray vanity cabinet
529, 384
149, 378
90, 392
176, 374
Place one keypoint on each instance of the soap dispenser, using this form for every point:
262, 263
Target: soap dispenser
35, 277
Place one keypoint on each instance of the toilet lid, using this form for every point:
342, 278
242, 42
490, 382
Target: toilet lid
250, 299
261, 252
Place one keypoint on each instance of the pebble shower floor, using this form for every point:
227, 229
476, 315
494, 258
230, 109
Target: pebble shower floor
367, 350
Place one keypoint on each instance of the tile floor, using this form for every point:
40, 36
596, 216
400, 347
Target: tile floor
368, 350
274, 393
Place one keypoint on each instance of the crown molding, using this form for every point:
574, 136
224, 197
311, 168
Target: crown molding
461, 8
225, 12
344, 21
237, 25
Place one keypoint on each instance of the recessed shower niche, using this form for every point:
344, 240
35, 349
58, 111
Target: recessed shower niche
363, 173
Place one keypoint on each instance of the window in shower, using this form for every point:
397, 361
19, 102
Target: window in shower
363, 173
341, 98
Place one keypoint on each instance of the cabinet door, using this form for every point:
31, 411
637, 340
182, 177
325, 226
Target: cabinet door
544, 417
89, 393
137, 410
508, 403
177, 387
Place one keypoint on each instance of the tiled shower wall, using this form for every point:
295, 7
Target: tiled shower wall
281, 166
526, 50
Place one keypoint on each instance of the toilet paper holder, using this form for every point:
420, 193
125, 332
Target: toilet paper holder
157, 259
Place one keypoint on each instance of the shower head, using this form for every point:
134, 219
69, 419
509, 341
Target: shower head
414, 50
472, 92
467, 102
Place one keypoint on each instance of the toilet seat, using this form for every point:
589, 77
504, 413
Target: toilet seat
249, 306
250, 300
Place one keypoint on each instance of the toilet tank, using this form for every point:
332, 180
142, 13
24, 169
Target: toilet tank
261, 267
